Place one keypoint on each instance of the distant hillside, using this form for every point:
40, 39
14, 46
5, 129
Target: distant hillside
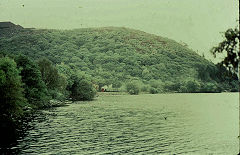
9, 29
4, 25
114, 55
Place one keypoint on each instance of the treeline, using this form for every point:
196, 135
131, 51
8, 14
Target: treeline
134, 87
26, 85
113, 57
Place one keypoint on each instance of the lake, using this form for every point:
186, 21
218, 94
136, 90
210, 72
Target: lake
141, 124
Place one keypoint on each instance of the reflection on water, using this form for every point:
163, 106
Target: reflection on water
150, 124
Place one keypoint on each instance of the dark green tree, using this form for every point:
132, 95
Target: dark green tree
230, 45
55, 82
210, 87
11, 91
153, 90
35, 89
81, 89
49, 73
133, 87
190, 86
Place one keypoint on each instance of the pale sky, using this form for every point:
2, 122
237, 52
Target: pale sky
195, 22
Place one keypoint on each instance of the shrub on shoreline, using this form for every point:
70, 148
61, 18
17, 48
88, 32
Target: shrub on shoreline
81, 88
133, 87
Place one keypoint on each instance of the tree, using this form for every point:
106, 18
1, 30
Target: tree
192, 86
78, 85
49, 73
156, 86
81, 89
210, 87
189, 86
230, 44
55, 82
153, 90
133, 87
35, 89
11, 91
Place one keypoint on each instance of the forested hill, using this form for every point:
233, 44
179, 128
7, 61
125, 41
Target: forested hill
115, 55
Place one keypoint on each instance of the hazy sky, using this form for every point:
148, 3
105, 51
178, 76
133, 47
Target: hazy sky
195, 22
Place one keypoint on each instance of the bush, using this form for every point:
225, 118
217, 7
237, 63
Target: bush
156, 83
81, 89
156, 86
210, 87
172, 86
234, 86
133, 88
49, 73
153, 90
183, 89
55, 94
190, 86
145, 88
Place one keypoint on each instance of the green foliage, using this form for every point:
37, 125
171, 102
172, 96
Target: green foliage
56, 83
170, 86
153, 90
113, 56
230, 45
116, 84
133, 87
34, 88
190, 86
157, 86
11, 91
78, 85
62, 83
49, 73
65, 71
210, 87
145, 88
81, 88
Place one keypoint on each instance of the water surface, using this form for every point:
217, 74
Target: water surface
142, 124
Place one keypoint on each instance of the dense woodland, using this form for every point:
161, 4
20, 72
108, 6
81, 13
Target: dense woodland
26, 86
39, 67
116, 56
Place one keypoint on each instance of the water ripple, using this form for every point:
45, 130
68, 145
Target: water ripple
126, 125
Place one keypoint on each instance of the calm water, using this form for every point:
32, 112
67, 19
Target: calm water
194, 124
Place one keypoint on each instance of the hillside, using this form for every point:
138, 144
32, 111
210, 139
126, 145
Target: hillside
9, 29
114, 55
